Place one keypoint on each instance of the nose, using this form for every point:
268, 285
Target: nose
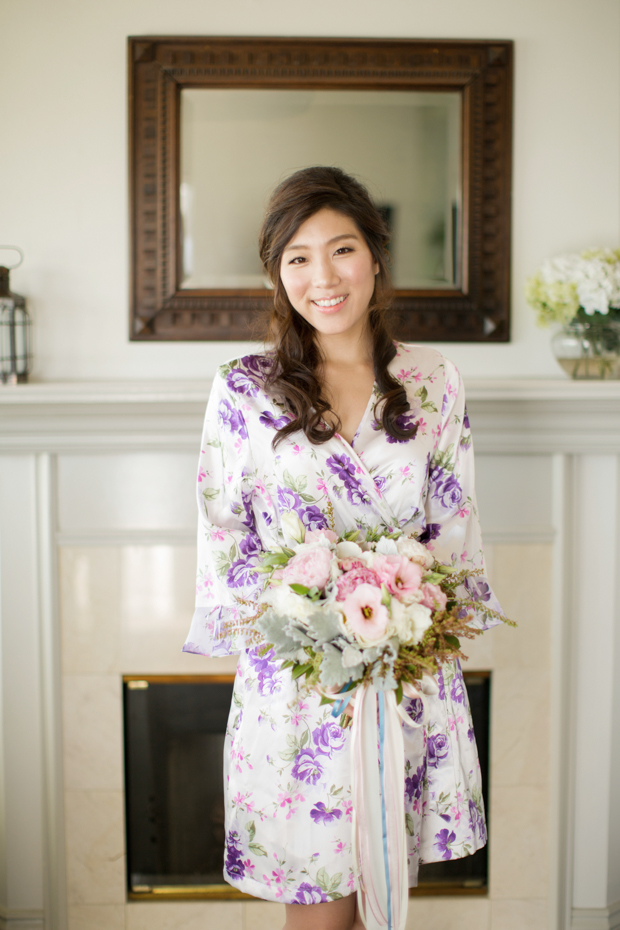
325, 273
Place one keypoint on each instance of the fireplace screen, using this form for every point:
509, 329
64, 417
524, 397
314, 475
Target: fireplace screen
174, 742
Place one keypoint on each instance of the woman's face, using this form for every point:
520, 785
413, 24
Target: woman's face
328, 273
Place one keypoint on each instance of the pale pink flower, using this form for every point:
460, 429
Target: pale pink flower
351, 881
201, 474
402, 374
433, 597
356, 574
366, 616
297, 449
310, 568
401, 576
462, 513
463, 556
314, 536
418, 376
249, 867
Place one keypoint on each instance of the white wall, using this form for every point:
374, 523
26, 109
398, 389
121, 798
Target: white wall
63, 144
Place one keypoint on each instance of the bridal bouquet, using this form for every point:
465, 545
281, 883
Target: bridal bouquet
381, 612
371, 619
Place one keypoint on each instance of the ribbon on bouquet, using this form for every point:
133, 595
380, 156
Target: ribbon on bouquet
378, 789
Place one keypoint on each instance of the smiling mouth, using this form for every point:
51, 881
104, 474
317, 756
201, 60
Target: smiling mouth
331, 302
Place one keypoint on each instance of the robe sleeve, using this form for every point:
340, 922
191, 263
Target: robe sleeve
452, 525
227, 584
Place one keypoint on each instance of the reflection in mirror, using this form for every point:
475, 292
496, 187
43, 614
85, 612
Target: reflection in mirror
236, 145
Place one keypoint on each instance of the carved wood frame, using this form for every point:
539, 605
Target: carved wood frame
159, 67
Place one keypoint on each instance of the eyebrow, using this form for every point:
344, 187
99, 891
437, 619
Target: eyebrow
330, 242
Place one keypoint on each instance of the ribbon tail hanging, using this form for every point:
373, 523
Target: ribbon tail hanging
378, 782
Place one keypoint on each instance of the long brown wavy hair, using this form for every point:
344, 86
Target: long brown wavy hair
296, 353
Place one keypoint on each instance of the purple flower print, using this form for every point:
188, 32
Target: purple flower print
322, 814
328, 738
471, 736
258, 365
357, 495
268, 419
437, 748
477, 822
250, 545
466, 419
442, 688
414, 784
307, 767
310, 894
239, 382
234, 858
479, 590
443, 841
444, 404
246, 500
404, 421
415, 709
456, 691
431, 531
266, 670
312, 518
380, 483
288, 500
232, 419
241, 573
342, 466
446, 488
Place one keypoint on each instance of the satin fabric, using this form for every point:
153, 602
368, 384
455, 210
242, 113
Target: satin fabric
287, 763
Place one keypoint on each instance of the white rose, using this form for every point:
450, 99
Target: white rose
292, 526
348, 550
414, 550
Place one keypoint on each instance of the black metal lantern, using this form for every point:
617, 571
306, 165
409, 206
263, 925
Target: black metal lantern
15, 353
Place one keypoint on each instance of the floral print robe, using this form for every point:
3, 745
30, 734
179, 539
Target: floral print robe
286, 760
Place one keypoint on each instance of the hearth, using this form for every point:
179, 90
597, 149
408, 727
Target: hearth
174, 740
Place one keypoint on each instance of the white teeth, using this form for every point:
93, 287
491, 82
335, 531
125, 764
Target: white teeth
329, 303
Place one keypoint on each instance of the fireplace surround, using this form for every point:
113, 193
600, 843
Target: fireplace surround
97, 583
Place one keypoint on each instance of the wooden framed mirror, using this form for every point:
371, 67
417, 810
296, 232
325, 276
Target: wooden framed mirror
216, 123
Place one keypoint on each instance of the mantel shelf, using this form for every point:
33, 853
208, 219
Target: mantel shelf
154, 392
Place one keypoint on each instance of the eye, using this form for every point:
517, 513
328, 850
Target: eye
298, 260
343, 250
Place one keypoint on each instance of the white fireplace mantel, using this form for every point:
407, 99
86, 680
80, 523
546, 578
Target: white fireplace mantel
508, 416
573, 427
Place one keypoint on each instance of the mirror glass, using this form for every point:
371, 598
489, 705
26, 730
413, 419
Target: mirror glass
236, 145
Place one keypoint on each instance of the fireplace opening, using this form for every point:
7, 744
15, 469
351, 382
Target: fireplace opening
174, 742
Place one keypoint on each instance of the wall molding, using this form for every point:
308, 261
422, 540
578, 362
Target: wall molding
596, 918
508, 417
21, 919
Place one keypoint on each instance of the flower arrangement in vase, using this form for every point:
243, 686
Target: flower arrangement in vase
582, 293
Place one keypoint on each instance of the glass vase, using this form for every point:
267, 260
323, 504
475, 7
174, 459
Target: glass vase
589, 350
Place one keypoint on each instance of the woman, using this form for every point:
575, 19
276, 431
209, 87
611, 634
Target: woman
347, 429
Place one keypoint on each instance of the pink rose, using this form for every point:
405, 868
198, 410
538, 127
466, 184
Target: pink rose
401, 576
316, 535
310, 568
355, 574
434, 598
366, 616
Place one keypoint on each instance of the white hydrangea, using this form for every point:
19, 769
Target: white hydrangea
286, 603
590, 280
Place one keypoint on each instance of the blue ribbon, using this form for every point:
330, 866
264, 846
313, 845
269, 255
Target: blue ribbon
381, 697
339, 706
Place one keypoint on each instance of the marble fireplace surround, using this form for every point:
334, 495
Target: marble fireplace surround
96, 486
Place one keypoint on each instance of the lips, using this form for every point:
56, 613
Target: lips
330, 304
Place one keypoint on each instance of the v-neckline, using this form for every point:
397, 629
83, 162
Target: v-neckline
361, 422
